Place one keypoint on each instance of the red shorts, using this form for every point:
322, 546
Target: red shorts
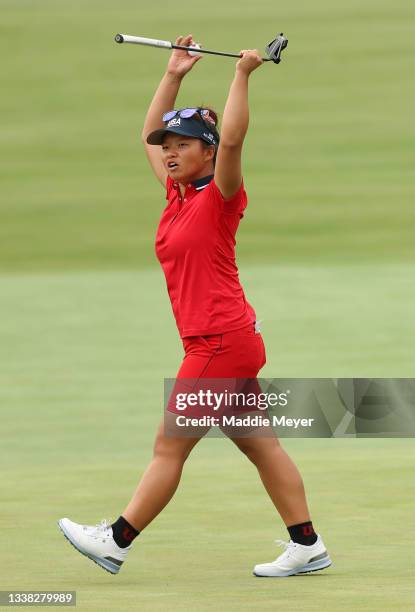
236, 354
234, 358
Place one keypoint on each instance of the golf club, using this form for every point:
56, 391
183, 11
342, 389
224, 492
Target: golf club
273, 50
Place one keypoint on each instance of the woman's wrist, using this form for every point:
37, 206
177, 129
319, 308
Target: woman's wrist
173, 77
241, 73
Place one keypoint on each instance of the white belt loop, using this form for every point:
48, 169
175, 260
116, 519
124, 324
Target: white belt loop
258, 326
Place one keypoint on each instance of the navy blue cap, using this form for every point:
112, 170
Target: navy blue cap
186, 127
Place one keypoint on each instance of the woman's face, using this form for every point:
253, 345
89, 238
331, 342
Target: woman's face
186, 158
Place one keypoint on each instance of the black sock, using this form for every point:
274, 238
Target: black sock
303, 533
123, 533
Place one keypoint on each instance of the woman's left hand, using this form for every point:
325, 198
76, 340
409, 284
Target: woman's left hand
249, 61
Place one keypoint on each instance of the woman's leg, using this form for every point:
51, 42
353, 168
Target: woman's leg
160, 480
162, 476
279, 475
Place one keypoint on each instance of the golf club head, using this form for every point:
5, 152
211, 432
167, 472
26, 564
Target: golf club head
275, 47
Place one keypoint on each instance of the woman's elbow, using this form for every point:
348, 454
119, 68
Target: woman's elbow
231, 143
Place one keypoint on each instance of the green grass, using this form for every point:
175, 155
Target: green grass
326, 255
81, 390
200, 552
328, 159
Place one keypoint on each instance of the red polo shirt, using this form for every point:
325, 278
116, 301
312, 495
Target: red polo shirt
195, 244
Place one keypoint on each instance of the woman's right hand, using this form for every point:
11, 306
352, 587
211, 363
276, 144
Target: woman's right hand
180, 61
249, 61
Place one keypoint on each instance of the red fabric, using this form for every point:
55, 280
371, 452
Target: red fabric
195, 244
230, 356
236, 354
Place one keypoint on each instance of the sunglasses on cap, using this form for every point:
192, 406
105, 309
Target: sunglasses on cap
187, 113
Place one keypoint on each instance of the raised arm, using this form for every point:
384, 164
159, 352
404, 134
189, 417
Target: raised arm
228, 173
180, 63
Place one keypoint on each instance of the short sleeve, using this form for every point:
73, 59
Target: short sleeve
236, 204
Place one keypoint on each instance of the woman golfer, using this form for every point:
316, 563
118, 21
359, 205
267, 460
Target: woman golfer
195, 242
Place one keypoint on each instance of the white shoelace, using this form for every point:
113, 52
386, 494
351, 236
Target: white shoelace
100, 528
289, 546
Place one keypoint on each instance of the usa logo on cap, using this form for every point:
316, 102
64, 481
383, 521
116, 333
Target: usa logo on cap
174, 122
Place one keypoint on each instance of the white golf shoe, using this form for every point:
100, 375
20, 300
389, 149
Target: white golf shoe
95, 542
296, 559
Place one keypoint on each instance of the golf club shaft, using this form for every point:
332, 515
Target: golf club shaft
266, 59
166, 44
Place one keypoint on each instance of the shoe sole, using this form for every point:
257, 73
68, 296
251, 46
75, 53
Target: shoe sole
105, 565
316, 566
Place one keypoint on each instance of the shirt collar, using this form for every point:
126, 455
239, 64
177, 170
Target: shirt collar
203, 182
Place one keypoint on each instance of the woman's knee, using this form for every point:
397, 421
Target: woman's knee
257, 449
172, 448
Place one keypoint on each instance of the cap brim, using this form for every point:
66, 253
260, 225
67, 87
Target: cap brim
156, 137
